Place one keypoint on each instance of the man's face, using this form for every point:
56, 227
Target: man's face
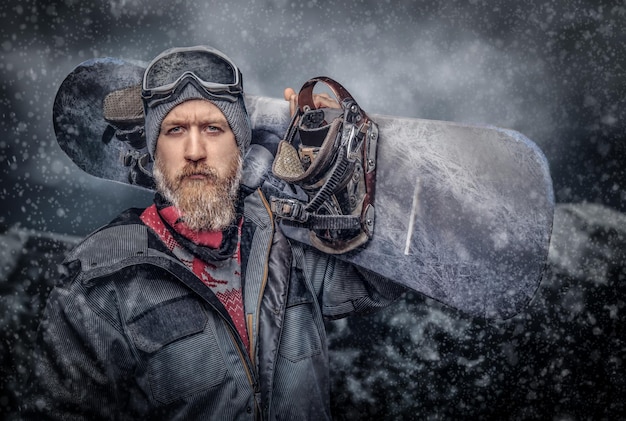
198, 165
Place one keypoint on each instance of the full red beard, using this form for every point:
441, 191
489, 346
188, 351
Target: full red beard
206, 204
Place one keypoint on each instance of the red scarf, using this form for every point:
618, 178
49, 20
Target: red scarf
222, 276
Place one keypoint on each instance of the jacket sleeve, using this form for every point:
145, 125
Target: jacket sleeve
73, 377
344, 289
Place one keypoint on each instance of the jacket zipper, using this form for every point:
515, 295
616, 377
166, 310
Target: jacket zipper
256, 330
267, 256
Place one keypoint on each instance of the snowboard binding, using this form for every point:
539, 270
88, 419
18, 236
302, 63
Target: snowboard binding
331, 155
123, 110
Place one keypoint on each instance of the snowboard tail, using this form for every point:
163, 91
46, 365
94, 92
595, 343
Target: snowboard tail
463, 213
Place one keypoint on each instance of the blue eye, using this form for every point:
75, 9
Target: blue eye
213, 129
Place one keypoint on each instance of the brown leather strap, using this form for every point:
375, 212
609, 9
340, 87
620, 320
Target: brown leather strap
305, 98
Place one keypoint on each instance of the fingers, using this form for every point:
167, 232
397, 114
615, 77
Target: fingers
290, 95
319, 100
324, 100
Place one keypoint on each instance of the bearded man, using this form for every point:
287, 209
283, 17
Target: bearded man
197, 307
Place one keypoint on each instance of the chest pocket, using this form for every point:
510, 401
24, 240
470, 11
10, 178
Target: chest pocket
179, 343
301, 328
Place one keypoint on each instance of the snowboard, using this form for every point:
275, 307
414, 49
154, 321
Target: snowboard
463, 213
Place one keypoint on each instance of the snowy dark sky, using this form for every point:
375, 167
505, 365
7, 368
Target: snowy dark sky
553, 70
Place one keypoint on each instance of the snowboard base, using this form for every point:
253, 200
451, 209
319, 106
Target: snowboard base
463, 214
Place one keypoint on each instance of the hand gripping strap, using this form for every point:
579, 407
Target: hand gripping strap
334, 163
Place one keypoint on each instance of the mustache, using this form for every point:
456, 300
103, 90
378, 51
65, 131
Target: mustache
198, 169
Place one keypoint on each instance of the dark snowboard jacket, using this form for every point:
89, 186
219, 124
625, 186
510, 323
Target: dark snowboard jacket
130, 333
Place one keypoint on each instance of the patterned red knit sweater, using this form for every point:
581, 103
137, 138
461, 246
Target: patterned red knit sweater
224, 278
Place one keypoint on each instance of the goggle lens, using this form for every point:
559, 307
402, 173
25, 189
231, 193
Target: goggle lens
215, 73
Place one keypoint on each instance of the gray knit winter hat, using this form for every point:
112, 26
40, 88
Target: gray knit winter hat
235, 113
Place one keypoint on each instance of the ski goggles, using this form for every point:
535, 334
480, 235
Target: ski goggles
206, 68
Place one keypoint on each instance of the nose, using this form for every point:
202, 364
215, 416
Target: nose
195, 149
